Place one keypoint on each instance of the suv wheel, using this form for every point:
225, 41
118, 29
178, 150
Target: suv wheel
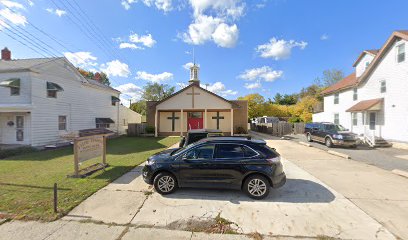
309, 137
165, 183
328, 142
257, 187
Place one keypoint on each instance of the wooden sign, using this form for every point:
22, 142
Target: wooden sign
86, 148
89, 148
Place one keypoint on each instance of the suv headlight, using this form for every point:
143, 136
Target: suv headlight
337, 136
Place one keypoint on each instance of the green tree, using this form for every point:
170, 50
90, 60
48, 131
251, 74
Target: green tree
156, 91
139, 107
329, 77
256, 105
104, 79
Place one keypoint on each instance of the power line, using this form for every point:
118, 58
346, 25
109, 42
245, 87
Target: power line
82, 28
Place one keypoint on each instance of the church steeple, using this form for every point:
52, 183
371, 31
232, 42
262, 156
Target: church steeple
194, 70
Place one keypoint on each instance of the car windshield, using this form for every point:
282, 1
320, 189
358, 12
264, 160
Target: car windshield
334, 127
184, 148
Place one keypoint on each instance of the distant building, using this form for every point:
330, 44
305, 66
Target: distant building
194, 107
43, 99
373, 101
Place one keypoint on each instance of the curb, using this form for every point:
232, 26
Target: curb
339, 154
400, 172
305, 144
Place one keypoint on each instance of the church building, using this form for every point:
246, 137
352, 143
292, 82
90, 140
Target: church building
194, 107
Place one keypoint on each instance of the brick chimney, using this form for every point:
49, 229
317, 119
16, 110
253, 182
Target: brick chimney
5, 54
97, 77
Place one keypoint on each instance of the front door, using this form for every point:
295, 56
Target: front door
19, 128
372, 120
195, 120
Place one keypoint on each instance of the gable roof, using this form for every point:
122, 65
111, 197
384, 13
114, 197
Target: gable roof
234, 105
371, 52
352, 80
17, 65
377, 59
347, 82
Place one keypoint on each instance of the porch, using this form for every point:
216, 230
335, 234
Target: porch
367, 119
15, 126
179, 121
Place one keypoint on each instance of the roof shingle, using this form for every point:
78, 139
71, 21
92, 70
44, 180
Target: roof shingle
347, 82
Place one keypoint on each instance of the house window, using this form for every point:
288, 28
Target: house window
51, 93
401, 53
102, 125
354, 116
103, 122
355, 94
336, 118
14, 91
62, 122
336, 98
367, 64
383, 87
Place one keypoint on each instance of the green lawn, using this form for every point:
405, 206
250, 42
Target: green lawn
26, 181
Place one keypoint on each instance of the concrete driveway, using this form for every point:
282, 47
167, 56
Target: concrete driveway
304, 207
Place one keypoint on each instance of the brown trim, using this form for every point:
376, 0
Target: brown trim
377, 59
371, 52
205, 90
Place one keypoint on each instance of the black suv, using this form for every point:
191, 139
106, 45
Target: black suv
330, 134
221, 162
198, 134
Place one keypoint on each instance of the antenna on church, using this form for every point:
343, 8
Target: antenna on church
194, 55
206, 86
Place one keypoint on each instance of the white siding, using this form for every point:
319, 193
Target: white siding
25, 89
361, 66
391, 120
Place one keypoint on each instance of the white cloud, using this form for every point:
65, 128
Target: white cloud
11, 4
31, 3
81, 59
201, 30
163, 5
146, 40
137, 41
154, 77
279, 49
181, 85
188, 65
226, 36
219, 88
129, 45
253, 85
13, 17
324, 37
129, 91
263, 73
58, 12
223, 8
116, 68
213, 20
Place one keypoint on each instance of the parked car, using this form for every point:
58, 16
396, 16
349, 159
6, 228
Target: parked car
198, 134
330, 134
220, 162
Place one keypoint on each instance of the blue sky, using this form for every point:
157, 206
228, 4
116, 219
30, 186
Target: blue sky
259, 46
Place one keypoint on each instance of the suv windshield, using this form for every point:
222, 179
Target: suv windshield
334, 127
184, 148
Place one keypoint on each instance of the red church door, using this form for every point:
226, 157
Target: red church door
195, 120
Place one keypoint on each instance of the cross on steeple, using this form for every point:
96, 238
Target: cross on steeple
173, 120
218, 117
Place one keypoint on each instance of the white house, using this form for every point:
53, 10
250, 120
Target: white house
42, 99
373, 101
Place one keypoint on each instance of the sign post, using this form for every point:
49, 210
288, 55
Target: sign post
86, 148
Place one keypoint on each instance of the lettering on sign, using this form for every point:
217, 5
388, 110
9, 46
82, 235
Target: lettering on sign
89, 148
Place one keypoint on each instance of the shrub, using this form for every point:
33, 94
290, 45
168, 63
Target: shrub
240, 130
16, 151
150, 129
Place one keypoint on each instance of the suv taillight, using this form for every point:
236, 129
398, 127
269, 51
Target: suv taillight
274, 160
